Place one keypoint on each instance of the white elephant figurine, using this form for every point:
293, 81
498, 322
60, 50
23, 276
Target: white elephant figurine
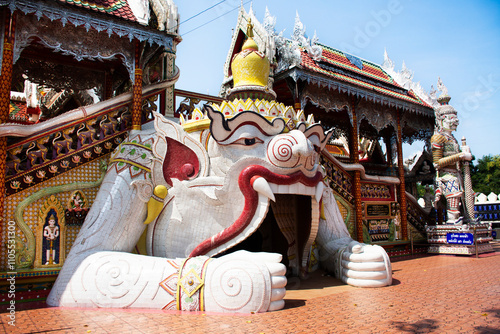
207, 190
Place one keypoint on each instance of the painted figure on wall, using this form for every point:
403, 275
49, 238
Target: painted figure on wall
448, 158
50, 250
76, 200
76, 208
51, 234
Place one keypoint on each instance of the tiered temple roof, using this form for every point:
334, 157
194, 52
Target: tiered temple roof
350, 69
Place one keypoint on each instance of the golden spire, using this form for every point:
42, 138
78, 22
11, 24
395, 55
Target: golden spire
250, 28
250, 70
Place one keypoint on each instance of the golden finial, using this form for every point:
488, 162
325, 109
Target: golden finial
250, 28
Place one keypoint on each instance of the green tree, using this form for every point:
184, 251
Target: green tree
486, 175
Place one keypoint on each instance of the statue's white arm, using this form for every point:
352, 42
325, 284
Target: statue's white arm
100, 271
240, 282
354, 263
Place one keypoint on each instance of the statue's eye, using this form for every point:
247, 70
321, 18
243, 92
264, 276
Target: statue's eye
248, 141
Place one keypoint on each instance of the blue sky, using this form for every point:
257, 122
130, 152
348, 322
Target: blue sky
458, 41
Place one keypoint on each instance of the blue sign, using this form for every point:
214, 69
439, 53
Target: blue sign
460, 238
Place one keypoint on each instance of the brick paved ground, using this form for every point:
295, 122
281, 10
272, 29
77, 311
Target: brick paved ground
430, 294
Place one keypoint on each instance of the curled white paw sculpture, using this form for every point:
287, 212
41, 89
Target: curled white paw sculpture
246, 282
366, 266
354, 263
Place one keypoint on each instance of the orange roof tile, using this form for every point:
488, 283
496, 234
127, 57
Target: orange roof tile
119, 8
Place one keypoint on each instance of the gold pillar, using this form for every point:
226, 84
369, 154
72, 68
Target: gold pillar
137, 90
357, 175
5, 87
401, 173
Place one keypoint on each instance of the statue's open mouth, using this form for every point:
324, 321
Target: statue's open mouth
290, 231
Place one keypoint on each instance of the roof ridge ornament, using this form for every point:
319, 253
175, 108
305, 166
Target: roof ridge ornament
269, 22
299, 31
300, 39
404, 78
388, 63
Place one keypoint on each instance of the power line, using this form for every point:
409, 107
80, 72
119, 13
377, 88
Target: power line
203, 11
204, 24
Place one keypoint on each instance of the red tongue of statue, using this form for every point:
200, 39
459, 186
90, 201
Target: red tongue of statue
245, 180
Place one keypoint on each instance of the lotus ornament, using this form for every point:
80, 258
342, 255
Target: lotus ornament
41, 174
28, 179
53, 169
15, 185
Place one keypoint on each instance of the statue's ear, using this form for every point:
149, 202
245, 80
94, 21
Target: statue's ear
317, 130
177, 155
180, 162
